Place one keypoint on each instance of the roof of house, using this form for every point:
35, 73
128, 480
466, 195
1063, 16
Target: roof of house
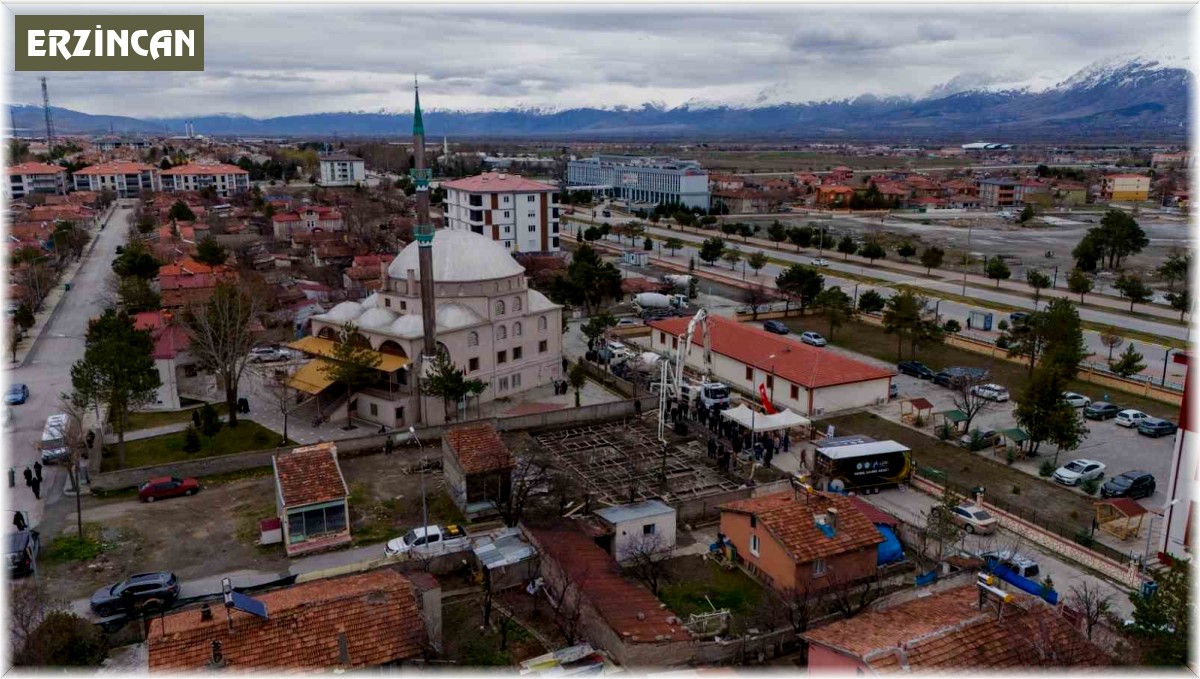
498, 182
874, 514
377, 613
340, 157
947, 631
169, 339
309, 475
791, 521
797, 363
635, 511
629, 609
479, 448
33, 168
115, 167
1126, 175
203, 169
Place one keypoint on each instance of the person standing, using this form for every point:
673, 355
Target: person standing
787, 441
28, 476
36, 487
19, 521
712, 448
85, 478
37, 470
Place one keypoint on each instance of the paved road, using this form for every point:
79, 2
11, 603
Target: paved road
47, 369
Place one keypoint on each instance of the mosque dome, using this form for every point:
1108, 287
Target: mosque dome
459, 256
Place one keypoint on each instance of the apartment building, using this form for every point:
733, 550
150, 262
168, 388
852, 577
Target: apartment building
642, 179
28, 178
125, 178
226, 180
1125, 187
997, 193
307, 219
520, 214
342, 169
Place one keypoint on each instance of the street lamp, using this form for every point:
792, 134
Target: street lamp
1054, 282
937, 316
771, 358
1166, 356
424, 508
855, 303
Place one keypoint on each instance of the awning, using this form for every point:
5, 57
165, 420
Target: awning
760, 422
1015, 435
319, 346
311, 379
954, 416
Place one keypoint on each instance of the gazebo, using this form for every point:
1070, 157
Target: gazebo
915, 408
1015, 437
1117, 517
952, 418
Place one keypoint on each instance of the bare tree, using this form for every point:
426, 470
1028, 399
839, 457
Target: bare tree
646, 560
852, 596
530, 476
28, 604
75, 437
969, 400
755, 297
939, 532
275, 383
1111, 339
1091, 604
567, 609
221, 332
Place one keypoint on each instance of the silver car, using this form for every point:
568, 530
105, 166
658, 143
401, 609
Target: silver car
813, 338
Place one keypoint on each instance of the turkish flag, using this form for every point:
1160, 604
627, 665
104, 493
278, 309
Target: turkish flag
762, 394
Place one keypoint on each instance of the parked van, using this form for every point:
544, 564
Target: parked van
54, 439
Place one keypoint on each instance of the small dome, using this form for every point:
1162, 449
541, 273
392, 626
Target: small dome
371, 301
540, 302
458, 257
451, 316
346, 311
376, 319
408, 326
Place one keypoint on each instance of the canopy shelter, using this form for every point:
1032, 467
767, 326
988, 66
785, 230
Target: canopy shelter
1016, 438
952, 418
311, 378
319, 346
1119, 517
760, 422
915, 408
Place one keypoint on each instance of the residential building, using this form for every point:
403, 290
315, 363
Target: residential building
997, 193
725, 182
642, 179
1118, 187
29, 178
477, 468
126, 179
742, 201
1164, 161
176, 366
307, 219
1025, 190
188, 281
806, 379
342, 169
365, 274
226, 180
834, 195
380, 618
797, 541
841, 173
520, 214
311, 499
965, 629
641, 529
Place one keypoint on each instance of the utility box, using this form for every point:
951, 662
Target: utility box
979, 320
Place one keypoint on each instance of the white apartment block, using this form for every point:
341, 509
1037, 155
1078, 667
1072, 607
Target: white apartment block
642, 179
342, 169
28, 178
226, 180
518, 213
125, 178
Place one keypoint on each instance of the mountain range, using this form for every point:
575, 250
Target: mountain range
1130, 99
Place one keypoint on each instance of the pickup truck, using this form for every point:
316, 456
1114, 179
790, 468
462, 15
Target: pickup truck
427, 541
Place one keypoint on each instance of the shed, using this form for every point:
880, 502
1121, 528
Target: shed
311, 499
638, 528
478, 468
1119, 517
635, 257
915, 408
952, 418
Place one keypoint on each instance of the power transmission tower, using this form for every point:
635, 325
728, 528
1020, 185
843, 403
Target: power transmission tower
49, 121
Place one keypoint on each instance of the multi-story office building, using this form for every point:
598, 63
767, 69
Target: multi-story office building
342, 169
518, 213
226, 180
27, 178
125, 178
642, 179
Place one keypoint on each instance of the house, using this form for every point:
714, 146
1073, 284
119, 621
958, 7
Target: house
25, 179
639, 528
520, 214
1117, 187
1070, 193
808, 380
366, 274
375, 619
996, 193
307, 219
841, 173
802, 541
126, 179
957, 630
311, 499
742, 201
188, 281
172, 359
1025, 190
225, 179
477, 467
1177, 160
834, 195
342, 169
806, 179
725, 182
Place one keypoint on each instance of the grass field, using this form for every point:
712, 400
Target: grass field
248, 435
150, 419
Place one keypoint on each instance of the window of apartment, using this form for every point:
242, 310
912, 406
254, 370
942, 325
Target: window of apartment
501, 357
662, 337
541, 323
506, 214
500, 307
517, 329
516, 303
819, 567
542, 346
532, 228
516, 381
502, 384
374, 410
750, 373
753, 521
554, 227
399, 414
530, 199
674, 342
387, 301
508, 229
501, 332
506, 198
532, 215
403, 305
517, 353
472, 365
795, 392
554, 241
754, 545
648, 529
472, 339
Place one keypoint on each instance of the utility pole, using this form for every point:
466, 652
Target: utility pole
49, 120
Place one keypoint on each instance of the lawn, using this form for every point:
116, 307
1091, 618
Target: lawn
470, 644
872, 341
248, 435
693, 582
150, 419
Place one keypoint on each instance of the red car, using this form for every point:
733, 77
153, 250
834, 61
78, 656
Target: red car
167, 486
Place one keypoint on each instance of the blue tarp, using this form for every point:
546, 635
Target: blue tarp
1023, 583
889, 550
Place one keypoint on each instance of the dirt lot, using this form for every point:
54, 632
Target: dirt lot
698, 585
467, 642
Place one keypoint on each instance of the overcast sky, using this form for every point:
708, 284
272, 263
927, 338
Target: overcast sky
267, 61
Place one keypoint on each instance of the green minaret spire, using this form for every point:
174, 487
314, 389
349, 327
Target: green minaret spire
418, 122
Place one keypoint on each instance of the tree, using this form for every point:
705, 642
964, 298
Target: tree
136, 260
210, 252
777, 232
1120, 236
210, 421
29, 603
596, 326
1129, 363
673, 244
745, 231
1161, 621
711, 250
353, 363
847, 246
116, 370
800, 283
1175, 269
63, 639
906, 250
221, 331
1046, 416
932, 257
967, 399
800, 236
23, 316
1181, 301
1038, 281
870, 302
446, 381
872, 251
1079, 283
1055, 335
756, 261
902, 315
1089, 253
136, 294
755, 296
729, 228
588, 281
69, 239
577, 377
733, 255
646, 561
997, 270
1134, 289
191, 440
1091, 604
1111, 339
836, 305
648, 244
952, 327
940, 532
1026, 214
180, 212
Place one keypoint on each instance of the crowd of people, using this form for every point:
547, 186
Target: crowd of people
729, 440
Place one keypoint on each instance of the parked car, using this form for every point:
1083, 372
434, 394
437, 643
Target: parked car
972, 518
1018, 317
167, 486
916, 369
943, 379
428, 541
140, 591
1076, 400
813, 338
776, 327
22, 552
16, 394
266, 355
1154, 427
628, 322
1076, 472
954, 376
819, 261
1131, 418
607, 213
992, 392
987, 437
617, 351
1017, 563
1132, 484
1101, 410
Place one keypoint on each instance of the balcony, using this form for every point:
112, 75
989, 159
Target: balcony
475, 201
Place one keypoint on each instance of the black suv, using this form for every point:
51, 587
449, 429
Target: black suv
1101, 410
1131, 484
916, 369
140, 591
22, 552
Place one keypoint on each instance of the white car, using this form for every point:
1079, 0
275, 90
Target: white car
992, 392
1076, 400
619, 351
819, 261
1076, 472
813, 338
1131, 418
629, 322
266, 355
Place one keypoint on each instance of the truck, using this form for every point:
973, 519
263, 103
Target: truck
862, 467
679, 282
711, 394
646, 301
429, 541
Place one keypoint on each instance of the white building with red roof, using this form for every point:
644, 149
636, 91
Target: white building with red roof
171, 357
520, 214
223, 178
307, 219
808, 380
125, 178
27, 178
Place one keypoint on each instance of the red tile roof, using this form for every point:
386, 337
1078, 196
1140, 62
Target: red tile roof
1125, 505
874, 514
33, 168
116, 167
630, 610
203, 169
791, 522
498, 182
479, 449
797, 363
377, 612
309, 475
169, 339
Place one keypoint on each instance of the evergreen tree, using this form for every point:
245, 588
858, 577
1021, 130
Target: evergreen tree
997, 270
1129, 363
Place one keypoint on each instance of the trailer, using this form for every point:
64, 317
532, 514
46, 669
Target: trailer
863, 467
